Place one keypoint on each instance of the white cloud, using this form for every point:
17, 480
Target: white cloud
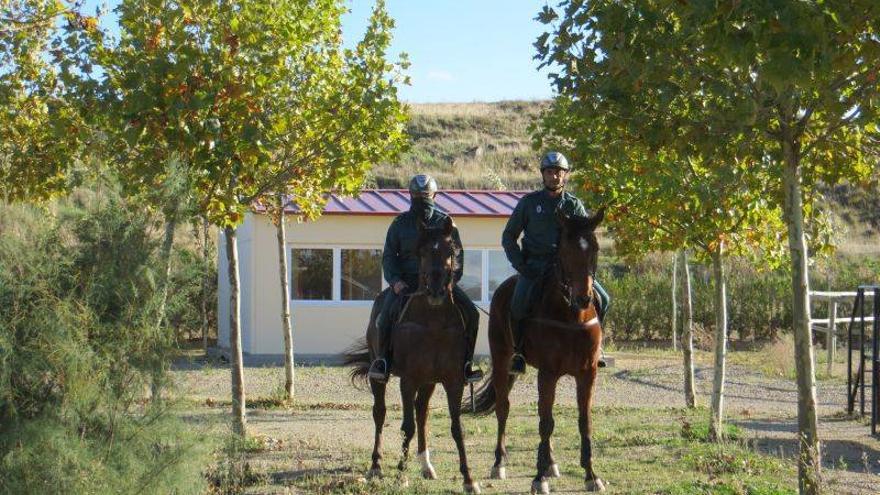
439, 75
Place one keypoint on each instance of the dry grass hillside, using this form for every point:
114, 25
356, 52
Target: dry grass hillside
468, 145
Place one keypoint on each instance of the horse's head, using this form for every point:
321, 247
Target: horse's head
578, 256
438, 257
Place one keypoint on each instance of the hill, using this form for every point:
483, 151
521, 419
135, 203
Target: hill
468, 145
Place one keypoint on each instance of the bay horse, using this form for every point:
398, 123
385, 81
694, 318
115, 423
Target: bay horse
561, 337
428, 345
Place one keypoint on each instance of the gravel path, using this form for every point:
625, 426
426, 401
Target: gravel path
765, 407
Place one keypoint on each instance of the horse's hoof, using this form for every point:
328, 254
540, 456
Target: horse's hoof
472, 488
498, 473
542, 487
552, 471
594, 485
375, 472
427, 469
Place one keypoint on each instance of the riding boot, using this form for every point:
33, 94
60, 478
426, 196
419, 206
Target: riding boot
380, 368
518, 362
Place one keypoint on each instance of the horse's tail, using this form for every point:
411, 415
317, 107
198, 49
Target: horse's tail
358, 357
484, 397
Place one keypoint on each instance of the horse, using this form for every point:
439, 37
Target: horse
428, 345
561, 337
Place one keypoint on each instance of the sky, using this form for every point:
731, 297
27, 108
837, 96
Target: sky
460, 50
463, 50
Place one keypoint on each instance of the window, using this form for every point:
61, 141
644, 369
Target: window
361, 274
471, 281
312, 274
499, 270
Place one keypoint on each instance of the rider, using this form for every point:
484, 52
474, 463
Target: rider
535, 218
400, 264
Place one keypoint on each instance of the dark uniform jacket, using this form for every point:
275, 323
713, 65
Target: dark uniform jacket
400, 260
535, 215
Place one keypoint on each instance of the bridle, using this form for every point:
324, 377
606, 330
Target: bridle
577, 302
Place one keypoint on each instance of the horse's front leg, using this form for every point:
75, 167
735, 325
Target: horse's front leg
407, 396
500, 379
586, 384
454, 393
546, 396
423, 397
379, 421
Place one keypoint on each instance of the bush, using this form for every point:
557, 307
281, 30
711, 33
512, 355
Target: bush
78, 345
758, 301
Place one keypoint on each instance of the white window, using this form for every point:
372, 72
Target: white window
471, 281
311, 274
361, 274
499, 270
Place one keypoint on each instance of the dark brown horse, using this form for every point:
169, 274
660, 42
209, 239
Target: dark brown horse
562, 337
428, 344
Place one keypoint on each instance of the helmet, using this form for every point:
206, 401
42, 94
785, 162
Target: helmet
422, 185
554, 159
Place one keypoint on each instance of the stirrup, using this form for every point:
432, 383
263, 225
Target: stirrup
472, 375
378, 370
518, 364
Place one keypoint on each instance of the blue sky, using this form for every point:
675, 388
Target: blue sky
460, 50
463, 50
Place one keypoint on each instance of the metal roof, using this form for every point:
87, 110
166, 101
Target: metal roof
464, 203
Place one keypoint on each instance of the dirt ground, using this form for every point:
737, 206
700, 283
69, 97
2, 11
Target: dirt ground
331, 416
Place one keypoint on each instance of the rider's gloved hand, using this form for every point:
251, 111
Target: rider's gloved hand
399, 286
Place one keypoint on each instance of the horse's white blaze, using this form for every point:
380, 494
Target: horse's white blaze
584, 243
592, 322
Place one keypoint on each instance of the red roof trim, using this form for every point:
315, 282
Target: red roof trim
391, 202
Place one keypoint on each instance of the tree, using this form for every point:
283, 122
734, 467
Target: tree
45, 93
667, 200
234, 72
791, 85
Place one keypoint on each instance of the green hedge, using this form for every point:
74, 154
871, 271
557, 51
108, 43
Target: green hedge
759, 301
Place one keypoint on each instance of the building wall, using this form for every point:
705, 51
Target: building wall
320, 327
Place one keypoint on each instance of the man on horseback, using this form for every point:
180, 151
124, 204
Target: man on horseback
535, 218
400, 266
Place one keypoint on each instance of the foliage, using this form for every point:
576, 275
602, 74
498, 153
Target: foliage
44, 95
759, 300
76, 350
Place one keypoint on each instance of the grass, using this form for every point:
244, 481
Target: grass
636, 450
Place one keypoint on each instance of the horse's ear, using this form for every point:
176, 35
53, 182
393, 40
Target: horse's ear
596, 219
448, 226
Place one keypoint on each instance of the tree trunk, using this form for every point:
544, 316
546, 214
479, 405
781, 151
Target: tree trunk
206, 280
674, 302
687, 331
716, 432
165, 275
809, 465
167, 244
285, 301
238, 401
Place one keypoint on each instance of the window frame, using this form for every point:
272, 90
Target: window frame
336, 285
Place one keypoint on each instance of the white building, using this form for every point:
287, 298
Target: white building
335, 269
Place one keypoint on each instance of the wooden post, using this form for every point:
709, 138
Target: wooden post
831, 338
